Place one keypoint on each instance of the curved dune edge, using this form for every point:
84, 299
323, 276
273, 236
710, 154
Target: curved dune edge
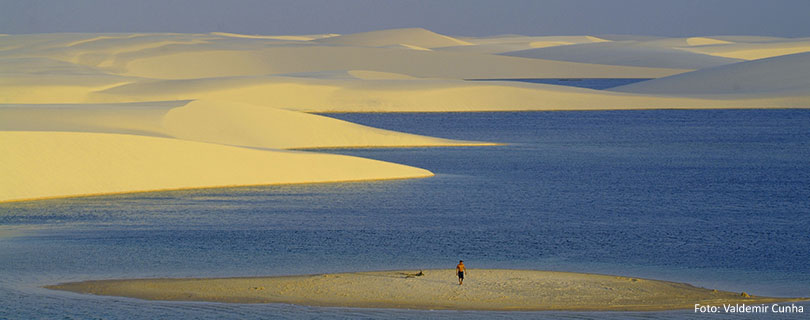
219, 122
484, 289
38, 165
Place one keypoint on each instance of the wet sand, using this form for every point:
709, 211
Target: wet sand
484, 289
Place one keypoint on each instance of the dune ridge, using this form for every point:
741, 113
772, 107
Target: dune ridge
220, 122
484, 289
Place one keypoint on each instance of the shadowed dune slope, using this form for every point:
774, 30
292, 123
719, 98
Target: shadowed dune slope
627, 53
771, 76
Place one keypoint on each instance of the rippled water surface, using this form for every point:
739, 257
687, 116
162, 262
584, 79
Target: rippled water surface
716, 198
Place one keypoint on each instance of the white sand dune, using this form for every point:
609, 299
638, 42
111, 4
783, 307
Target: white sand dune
753, 50
749, 39
485, 289
330, 95
56, 164
46, 80
507, 43
257, 126
182, 62
776, 76
702, 41
221, 122
628, 53
95, 99
188, 56
306, 37
411, 36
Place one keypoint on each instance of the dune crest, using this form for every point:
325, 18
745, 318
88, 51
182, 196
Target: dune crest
702, 41
413, 36
221, 122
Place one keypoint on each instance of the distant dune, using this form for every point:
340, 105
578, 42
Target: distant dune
128, 102
628, 53
781, 75
410, 36
753, 48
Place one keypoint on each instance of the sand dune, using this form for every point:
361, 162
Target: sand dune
221, 122
308, 37
410, 36
330, 95
485, 289
182, 62
57, 164
628, 53
507, 43
256, 126
187, 56
128, 102
754, 50
777, 76
702, 41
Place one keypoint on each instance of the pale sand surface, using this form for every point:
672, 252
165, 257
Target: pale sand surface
628, 53
221, 122
752, 50
204, 103
410, 36
57, 164
484, 289
425, 95
777, 76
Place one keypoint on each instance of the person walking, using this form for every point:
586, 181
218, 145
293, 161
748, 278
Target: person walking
460, 269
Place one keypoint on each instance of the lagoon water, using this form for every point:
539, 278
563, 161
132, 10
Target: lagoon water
716, 198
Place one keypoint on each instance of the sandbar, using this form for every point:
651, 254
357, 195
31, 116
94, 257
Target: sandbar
484, 289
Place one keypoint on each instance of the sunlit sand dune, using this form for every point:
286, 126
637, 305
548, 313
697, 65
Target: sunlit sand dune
507, 43
56, 164
404, 51
183, 62
221, 122
485, 289
46, 80
330, 95
128, 102
702, 41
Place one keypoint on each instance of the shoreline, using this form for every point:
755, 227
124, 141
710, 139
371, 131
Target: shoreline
436, 289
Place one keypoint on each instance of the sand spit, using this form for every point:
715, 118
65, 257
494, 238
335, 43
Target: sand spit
484, 289
45, 164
